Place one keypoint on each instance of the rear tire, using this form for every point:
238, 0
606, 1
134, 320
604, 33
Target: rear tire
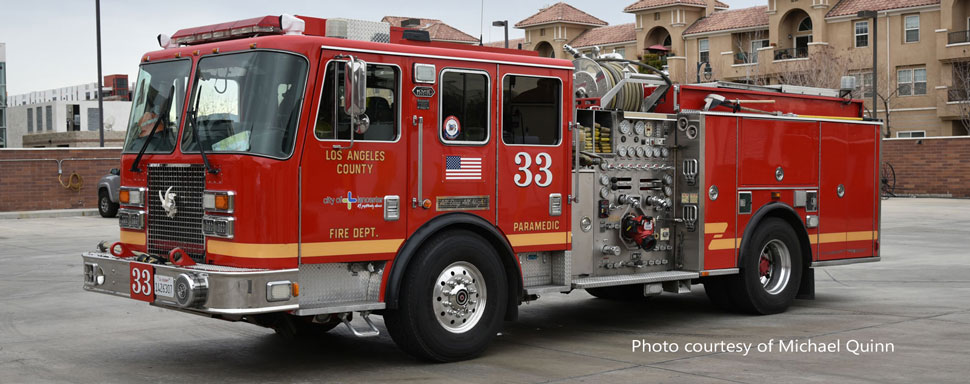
106, 207
452, 300
628, 292
771, 269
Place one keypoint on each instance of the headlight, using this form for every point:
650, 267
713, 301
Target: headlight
219, 201
131, 219
132, 196
218, 226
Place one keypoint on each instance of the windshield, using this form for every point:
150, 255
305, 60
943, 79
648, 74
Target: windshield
246, 102
152, 107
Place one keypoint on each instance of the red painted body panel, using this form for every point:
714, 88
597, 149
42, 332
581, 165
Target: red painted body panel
766, 145
720, 166
691, 97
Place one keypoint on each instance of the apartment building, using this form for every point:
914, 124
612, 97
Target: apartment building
922, 69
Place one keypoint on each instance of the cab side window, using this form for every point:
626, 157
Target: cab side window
464, 107
382, 104
531, 109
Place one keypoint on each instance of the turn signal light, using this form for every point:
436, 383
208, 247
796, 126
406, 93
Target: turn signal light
123, 196
219, 201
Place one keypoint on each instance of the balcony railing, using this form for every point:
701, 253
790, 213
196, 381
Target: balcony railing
745, 57
958, 37
957, 94
791, 53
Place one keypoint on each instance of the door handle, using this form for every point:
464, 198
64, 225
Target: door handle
419, 200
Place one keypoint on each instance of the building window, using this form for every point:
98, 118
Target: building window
911, 134
30, 121
911, 28
911, 81
656, 16
542, 32
531, 110
805, 25
49, 111
621, 51
755, 46
861, 34
40, 118
864, 82
464, 107
703, 50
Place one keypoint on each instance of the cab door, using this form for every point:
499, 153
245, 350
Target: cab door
452, 127
533, 158
352, 190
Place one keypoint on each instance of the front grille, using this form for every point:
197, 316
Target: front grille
184, 230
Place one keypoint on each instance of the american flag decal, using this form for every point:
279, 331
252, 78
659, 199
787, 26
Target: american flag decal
463, 168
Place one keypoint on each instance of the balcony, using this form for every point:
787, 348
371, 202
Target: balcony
791, 53
745, 58
958, 37
954, 95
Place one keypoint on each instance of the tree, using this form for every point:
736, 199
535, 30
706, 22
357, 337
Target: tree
959, 92
746, 53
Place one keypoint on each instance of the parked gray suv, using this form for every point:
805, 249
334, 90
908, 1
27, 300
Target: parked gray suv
108, 188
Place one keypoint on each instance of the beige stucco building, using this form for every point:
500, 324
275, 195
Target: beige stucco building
921, 64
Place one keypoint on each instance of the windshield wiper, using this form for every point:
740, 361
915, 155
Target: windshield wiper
162, 118
195, 133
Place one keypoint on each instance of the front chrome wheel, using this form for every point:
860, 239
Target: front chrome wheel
459, 297
774, 266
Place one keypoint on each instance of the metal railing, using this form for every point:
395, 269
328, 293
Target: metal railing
791, 53
957, 94
958, 37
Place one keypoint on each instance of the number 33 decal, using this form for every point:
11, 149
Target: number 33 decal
543, 176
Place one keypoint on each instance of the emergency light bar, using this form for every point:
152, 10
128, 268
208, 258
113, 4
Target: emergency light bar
266, 25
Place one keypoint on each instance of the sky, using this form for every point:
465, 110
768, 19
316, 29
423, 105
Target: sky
52, 44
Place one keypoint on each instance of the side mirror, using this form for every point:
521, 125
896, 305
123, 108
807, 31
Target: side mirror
355, 92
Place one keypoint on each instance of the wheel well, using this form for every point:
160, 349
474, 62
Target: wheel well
453, 221
788, 214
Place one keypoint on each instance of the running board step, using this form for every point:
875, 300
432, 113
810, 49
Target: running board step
637, 278
340, 308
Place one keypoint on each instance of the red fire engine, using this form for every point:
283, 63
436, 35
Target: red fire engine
293, 171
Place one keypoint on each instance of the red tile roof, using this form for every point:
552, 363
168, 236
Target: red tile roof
647, 4
559, 13
851, 7
730, 19
605, 36
437, 30
513, 43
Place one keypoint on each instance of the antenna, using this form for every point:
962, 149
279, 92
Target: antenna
481, 23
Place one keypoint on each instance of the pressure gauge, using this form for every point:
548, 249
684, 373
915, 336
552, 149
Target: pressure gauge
605, 166
625, 127
664, 151
647, 151
668, 191
621, 151
604, 192
656, 152
640, 127
641, 152
668, 179
605, 180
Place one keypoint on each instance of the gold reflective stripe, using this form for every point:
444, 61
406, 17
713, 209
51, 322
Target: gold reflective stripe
360, 247
820, 238
136, 238
289, 250
715, 227
527, 239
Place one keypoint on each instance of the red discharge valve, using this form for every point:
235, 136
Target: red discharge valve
639, 229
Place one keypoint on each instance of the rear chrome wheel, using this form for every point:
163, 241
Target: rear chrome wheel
774, 266
459, 297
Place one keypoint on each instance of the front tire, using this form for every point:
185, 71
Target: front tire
452, 301
771, 269
106, 207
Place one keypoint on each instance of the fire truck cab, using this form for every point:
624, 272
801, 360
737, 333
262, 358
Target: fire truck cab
293, 171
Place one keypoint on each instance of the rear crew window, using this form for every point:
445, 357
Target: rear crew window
531, 110
464, 107
382, 104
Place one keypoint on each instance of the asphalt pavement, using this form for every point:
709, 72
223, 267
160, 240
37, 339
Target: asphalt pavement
905, 319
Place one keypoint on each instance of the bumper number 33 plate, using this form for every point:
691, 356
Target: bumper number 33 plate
141, 282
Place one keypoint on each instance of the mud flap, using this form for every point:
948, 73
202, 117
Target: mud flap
806, 290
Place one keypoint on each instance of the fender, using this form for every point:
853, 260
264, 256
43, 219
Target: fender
782, 211
449, 221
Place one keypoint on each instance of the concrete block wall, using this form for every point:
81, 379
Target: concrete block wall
934, 166
28, 177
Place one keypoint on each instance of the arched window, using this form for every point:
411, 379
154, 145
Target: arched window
667, 41
805, 24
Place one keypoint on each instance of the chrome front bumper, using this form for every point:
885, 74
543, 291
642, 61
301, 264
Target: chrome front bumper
217, 289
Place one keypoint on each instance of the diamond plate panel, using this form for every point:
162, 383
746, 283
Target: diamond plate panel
536, 268
638, 278
363, 30
334, 283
